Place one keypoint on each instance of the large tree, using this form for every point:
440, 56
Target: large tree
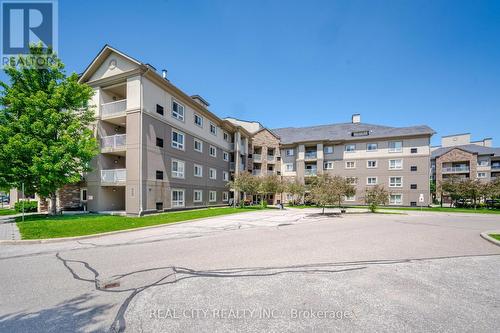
296, 189
375, 196
244, 182
45, 120
327, 190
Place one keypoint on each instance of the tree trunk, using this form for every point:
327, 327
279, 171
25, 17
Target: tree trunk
53, 204
323, 212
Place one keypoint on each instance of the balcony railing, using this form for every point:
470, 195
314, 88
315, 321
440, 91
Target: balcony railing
257, 157
271, 158
456, 169
113, 108
257, 172
231, 166
310, 172
113, 142
114, 176
495, 166
310, 155
270, 172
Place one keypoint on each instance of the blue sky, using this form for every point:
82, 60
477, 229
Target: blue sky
297, 63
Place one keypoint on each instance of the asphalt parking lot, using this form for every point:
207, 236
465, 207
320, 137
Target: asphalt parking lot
286, 270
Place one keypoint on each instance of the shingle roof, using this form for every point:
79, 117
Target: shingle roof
475, 149
343, 132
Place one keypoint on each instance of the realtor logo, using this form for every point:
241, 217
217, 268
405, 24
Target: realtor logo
27, 22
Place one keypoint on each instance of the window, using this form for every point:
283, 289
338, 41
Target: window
371, 147
177, 140
212, 173
225, 135
413, 186
197, 196
198, 120
396, 199
350, 165
328, 150
83, 194
413, 168
198, 170
481, 175
159, 109
225, 176
159, 175
395, 146
177, 198
350, 198
177, 111
159, 142
198, 145
177, 169
414, 150
371, 181
395, 182
371, 164
213, 129
159, 206
350, 148
482, 163
413, 204
289, 167
328, 165
289, 152
225, 156
225, 196
352, 180
212, 196
212, 151
395, 164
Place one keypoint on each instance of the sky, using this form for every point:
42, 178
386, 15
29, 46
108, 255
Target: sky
300, 63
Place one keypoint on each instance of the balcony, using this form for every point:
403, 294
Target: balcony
256, 172
270, 172
231, 166
113, 177
113, 143
457, 169
114, 109
495, 166
271, 159
310, 172
257, 158
310, 155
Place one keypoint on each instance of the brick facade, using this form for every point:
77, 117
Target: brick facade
454, 156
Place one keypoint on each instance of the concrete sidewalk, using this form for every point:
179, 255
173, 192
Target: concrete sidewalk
9, 229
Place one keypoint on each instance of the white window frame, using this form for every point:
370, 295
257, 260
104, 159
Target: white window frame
289, 152
348, 150
195, 140
201, 195
395, 184
210, 151
289, 165
225, 196
326, 163
368, 180
194, 120
210, 196
176, 114
225, 156
214, 172
371, 167
396, 203
225, 176
200, 167
353, 163
355, 182
176, 173
351, 198
483, 173
395, 164
177, 203
395, 149
175, 144
372, 143
215, 129
327, 149
225, 136
84, 189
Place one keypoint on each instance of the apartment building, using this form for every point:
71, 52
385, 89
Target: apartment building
460, 157
160, 148
396, 157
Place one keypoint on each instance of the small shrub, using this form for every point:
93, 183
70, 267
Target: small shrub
29, 206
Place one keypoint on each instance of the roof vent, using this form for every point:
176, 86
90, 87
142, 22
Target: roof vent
356, 118
164, 73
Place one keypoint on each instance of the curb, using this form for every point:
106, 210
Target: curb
486, 236
68, 239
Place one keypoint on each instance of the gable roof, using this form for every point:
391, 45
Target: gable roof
268, 130
344, 132
470, 148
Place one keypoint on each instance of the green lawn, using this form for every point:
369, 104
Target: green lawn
88, 224
5, 211
427, 209
497, 237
